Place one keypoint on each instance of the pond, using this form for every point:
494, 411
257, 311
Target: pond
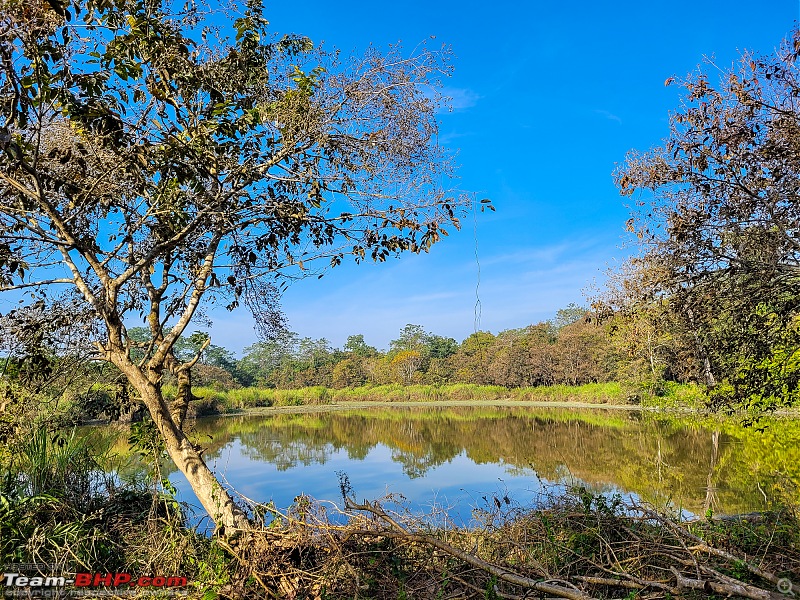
460, 460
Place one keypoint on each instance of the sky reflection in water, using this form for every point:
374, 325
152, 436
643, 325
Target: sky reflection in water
462, 458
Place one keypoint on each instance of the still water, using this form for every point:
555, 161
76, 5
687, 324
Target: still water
460, 459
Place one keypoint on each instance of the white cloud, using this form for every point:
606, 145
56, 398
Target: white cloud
608, 115
461, 98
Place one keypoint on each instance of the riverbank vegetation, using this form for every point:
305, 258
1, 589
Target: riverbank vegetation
213, 401
573, 358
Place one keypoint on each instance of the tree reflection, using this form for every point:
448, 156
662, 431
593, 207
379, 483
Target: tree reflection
724, 468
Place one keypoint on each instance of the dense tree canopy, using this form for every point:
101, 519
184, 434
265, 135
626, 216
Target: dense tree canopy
543, 354
150, 166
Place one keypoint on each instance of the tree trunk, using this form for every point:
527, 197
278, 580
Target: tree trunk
184, 396
212, 496
708, 374
215, 499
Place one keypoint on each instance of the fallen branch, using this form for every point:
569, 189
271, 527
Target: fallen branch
499, 572
701, 545
732, 588
631, 583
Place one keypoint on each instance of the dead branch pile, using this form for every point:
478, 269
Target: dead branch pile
581, 546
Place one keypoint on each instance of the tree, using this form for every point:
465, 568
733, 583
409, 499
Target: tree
523, 357
314, 353
412, 338
440, 347
582, 354
718, 214
264, 359
406, 363
473, 357
356, 346
569, 315
221, 358
152, 169
349, 372
645, 331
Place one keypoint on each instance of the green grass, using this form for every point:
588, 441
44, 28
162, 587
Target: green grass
214, 401
675, 395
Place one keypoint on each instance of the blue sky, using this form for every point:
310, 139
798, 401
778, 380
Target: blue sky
548, 98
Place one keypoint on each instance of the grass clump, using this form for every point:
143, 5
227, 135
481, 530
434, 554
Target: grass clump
64, 509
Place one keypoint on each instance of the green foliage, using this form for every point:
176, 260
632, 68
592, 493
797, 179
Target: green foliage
144, 439
53, 500
356, 345
490, 593
215, 402
572, 313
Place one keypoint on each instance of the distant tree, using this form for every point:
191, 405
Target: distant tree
377, 370
314, 353
569, 315
263, 359
214, 377
440, 347
582, 354
440, 371
541, 358
523, 357
222, 358
412, 338
219, 357
473, 357
719, 222
350, 372
151, 170
356, 345
406, 364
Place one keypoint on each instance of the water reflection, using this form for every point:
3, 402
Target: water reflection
453, 455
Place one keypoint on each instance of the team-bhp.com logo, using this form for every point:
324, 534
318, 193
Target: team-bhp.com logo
89, 580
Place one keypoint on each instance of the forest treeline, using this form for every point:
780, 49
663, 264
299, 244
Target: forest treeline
645, 350
576, 347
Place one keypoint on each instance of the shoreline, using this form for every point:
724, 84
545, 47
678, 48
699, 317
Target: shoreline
342, 406
367, 404
567, 405
682, 411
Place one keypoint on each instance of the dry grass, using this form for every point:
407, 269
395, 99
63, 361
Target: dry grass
576, 546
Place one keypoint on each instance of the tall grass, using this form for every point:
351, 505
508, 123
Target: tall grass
53, 496
63, 465
214, 401
61, 511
